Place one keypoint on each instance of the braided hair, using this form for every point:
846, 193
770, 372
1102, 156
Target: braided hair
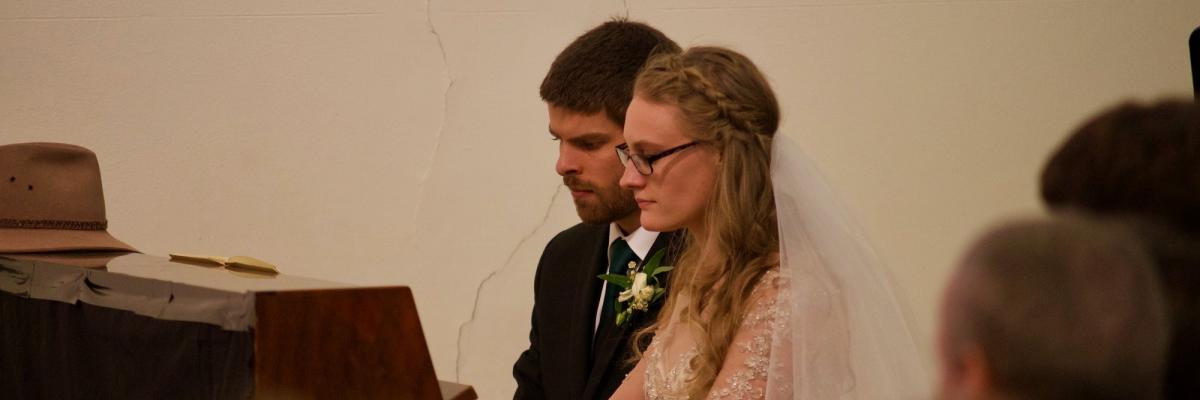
725, 102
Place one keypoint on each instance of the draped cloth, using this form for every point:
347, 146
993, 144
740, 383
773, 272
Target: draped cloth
847, 334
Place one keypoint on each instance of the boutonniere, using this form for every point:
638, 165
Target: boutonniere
641, 287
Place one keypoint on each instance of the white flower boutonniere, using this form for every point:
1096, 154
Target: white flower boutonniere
641, 287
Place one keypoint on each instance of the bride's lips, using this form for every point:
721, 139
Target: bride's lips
643, 203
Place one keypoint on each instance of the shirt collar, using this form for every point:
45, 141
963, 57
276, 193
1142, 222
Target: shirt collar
641, 240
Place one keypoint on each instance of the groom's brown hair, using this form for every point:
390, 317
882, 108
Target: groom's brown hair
596, 71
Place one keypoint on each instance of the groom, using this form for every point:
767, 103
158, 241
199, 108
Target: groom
576, 349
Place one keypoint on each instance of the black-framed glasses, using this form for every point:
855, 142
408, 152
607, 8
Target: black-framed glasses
645, 164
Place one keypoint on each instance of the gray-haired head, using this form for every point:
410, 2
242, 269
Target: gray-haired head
1062, 308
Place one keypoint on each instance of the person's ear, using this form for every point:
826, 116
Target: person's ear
975, 372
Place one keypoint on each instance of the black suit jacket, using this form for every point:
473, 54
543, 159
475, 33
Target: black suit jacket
562, 361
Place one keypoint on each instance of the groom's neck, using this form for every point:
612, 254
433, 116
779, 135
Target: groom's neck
629, 223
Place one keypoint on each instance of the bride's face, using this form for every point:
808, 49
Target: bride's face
677, 190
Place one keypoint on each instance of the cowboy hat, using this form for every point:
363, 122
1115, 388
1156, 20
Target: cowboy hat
51, 200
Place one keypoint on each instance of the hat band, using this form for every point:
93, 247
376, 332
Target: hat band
53, 224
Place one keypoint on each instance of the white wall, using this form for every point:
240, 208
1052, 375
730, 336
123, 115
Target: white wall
403, 142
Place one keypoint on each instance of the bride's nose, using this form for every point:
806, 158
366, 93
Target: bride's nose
632, 179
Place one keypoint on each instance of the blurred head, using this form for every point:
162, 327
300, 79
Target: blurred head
1053, 309
1143, 160
1132, 159
1177, 257
586, 91
698, 134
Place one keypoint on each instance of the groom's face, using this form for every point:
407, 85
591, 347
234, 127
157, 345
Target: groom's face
587, 161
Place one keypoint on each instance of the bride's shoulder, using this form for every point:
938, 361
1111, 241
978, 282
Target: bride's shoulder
768, 300
772, 279
771, 286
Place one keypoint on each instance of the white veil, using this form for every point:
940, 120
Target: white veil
846, 335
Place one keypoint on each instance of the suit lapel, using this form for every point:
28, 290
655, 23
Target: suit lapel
593, 262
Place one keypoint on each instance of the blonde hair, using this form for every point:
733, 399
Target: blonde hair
726, 103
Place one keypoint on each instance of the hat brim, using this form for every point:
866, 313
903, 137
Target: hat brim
86, 259
49, 240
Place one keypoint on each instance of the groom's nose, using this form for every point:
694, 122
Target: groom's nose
568, 161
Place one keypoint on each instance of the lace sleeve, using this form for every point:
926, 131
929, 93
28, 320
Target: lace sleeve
744, 374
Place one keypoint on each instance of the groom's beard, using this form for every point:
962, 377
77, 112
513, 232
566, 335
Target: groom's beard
605, 205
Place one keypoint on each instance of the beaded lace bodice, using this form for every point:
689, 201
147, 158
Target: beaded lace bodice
744, 373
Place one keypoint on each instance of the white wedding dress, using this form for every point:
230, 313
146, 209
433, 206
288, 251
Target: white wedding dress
744, 374
826, 324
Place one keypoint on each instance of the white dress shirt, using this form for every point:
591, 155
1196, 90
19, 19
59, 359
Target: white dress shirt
640, 241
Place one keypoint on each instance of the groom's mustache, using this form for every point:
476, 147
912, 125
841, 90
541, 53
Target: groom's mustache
574, 183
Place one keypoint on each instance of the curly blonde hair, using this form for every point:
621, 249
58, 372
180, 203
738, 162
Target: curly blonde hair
726, 103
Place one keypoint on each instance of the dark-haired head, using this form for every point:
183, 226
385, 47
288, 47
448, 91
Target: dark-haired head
1142, 162
596, 71
587, 92
1141, 159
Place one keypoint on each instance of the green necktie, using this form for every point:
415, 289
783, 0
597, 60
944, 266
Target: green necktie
618, 264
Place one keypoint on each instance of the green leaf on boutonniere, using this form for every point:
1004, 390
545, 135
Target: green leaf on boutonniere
660, 270
652, 265
620, 280
647, 291
622, 312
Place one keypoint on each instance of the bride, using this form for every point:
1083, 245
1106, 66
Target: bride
776, 295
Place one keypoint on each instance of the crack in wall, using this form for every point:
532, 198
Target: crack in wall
437, 139
626, 4
462, 328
